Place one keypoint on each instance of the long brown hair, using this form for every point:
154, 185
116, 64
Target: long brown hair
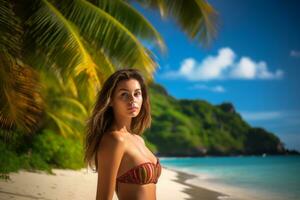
102, 115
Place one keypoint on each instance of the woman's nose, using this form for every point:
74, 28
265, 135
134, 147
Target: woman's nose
131, 98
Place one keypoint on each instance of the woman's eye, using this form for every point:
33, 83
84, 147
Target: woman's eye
136, 94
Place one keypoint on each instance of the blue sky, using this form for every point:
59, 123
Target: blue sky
253, 63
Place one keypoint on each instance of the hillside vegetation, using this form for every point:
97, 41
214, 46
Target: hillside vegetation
196, 127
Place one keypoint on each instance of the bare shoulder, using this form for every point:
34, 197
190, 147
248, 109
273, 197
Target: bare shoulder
112, 140
114, 136
140, 138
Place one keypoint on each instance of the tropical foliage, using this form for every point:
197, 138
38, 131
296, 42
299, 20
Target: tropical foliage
54, 57
77, 44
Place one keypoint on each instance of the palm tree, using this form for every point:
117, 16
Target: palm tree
82, 41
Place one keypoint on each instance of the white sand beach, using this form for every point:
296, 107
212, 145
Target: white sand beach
81, 185
74, 185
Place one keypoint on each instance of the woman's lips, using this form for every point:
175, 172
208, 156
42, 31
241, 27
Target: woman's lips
133, 108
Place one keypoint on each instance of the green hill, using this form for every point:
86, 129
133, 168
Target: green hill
196, 127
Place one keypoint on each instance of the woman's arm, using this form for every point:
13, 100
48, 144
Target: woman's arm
109, 158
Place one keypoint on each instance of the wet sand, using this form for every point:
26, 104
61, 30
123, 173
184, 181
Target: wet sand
195, 192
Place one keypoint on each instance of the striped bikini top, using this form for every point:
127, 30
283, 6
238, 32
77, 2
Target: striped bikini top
142, 174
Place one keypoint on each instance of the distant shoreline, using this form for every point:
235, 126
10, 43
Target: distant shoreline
292, 153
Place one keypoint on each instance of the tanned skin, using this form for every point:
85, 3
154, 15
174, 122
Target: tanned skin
120, 150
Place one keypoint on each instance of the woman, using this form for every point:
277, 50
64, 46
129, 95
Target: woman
113, 142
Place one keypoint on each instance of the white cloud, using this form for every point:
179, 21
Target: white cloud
254, 116
249, 69
295, 53
218, 88
290, 116
223, 66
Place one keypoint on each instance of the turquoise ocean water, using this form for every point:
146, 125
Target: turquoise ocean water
272, 177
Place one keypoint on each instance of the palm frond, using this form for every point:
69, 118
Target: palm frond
132, 20
72, 86
20, 102
68, 114
67, 101
197, 18
65, 129
64, 111
104, 70
110, 36
60, 41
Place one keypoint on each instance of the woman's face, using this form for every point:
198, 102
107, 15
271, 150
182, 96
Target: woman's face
127, 98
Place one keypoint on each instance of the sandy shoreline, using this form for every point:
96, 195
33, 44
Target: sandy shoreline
200, 188
81, 185
196, 192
